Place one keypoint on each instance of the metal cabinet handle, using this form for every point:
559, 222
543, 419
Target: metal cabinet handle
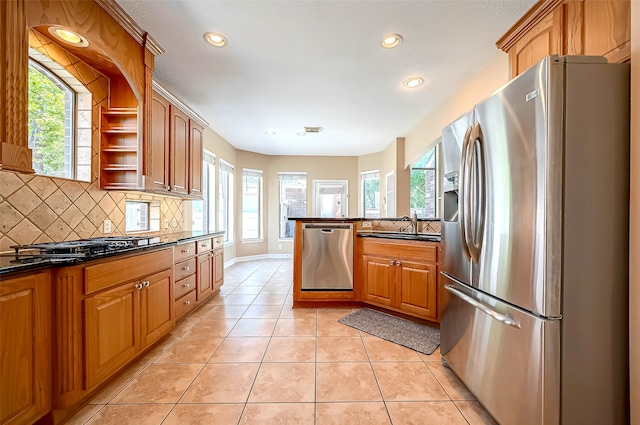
187, 302
204, 245
186, 268
398, 262
185, 251
138, 286
168, 188
186, 285
391, 262
145, 283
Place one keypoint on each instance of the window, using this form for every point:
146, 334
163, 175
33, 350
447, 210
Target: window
330, 198
251, 204
59, 120
204, 212
293, 200
225, 200
424, 185
142, 216
370, 189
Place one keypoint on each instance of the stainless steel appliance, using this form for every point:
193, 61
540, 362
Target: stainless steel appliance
327, 256
535, 245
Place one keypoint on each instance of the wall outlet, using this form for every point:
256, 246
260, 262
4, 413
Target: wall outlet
174, 223
366, 225
166, 223
106, 226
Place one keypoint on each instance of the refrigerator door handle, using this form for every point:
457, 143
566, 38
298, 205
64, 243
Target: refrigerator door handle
477, 156
463, 191
502, 318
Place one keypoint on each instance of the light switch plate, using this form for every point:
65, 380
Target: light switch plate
166, 223
366, 225
106, 226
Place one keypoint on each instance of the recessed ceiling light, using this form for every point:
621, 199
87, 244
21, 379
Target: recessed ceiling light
215, 39
391, 40
413, 82
301, 133
270, 133
68, 37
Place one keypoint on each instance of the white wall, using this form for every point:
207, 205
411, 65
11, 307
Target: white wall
634, 233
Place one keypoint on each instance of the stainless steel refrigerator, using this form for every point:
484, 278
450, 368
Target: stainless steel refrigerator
535, 245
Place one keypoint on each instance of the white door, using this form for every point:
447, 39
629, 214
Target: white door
330, 198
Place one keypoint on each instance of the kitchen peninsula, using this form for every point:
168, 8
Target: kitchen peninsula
395, 267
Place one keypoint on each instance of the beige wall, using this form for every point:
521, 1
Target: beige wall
479, 86
634, 251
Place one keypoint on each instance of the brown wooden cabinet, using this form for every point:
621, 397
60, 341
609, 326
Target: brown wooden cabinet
179, 158
25, 344
401, 276
119, 146
195, 158
569, 27
158, 149
185, 275
218, 268
204, 277
129, 306
174, 155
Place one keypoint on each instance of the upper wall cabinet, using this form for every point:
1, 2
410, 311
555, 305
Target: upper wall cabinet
569, 27
174, 148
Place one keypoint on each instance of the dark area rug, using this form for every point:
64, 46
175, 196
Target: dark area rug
421, 338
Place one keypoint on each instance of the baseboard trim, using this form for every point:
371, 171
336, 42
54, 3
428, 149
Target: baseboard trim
255, 257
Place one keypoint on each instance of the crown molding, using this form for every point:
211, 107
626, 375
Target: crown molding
177, 102
130, 26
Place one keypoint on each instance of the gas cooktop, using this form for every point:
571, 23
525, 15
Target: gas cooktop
83, 248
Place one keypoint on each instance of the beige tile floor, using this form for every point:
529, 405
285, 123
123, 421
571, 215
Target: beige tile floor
246, 357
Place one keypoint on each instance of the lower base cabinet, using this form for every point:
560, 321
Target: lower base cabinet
123, 321
25, 347
402, 277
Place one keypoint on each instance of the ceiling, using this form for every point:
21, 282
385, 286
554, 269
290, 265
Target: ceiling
319, 63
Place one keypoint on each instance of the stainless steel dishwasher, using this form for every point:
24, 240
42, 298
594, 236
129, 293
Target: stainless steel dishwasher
327, 256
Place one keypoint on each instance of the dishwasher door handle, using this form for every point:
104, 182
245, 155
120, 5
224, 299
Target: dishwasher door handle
326, 230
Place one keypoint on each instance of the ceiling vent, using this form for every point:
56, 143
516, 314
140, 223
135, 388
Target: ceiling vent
312, 129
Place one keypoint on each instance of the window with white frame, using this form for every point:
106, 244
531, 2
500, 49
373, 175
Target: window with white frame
424, 187
204, 212
59, 120
370, 189
251, 204
225, 200
293, 200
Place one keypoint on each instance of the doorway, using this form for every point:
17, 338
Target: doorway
330, 198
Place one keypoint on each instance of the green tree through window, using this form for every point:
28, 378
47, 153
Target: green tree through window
50, 104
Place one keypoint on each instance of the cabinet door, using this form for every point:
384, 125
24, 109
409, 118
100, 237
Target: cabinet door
418, 294
607, 29
179, 151
218, 269
112, 331
204, 276
156, 307
379, 280
544, 39
157, 167
195, 159
25, 344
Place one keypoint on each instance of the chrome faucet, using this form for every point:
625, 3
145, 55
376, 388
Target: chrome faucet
413, 223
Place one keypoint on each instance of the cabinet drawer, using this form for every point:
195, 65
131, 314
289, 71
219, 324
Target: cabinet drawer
184, 251
398, 250
119, 270
204, 245
184, 269
185, 304
218, 242
184, 286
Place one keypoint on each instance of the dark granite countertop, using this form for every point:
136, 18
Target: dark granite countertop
10, 264
428, 237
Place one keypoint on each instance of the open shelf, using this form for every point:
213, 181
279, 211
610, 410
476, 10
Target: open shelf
119, 148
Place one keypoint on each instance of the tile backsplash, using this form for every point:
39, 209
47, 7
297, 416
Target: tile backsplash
37, 209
